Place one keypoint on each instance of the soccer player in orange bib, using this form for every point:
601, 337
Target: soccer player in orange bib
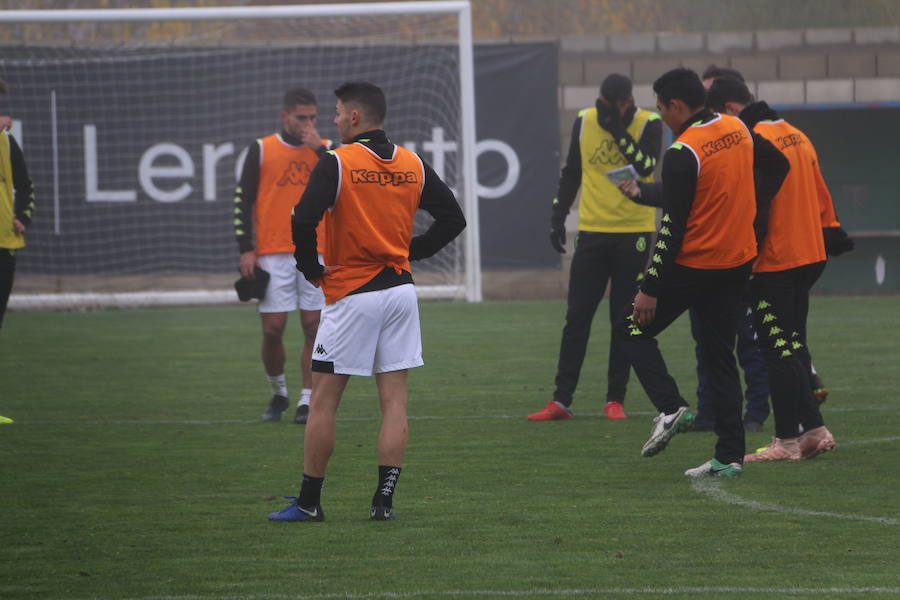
370, 189
791, 258
275, 173
705, 247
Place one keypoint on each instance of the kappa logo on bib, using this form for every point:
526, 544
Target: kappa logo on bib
382, 177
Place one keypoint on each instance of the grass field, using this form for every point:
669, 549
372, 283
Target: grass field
137, 468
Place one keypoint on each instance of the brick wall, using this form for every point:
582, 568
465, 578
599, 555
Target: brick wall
812, 66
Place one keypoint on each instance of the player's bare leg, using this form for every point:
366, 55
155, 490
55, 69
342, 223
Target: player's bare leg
309, 321
392, 440
318, 442
273, 358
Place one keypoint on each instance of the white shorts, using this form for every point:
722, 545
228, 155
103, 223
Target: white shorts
288, 289
370, 332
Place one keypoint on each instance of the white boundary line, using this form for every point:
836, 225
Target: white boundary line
538, 592
713, 488
378, 418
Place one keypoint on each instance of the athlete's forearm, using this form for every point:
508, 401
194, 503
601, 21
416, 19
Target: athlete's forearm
317, 198
679, 182
24, 201
440, 203
245, 200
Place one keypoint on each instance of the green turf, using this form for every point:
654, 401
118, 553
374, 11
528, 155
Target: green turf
137, 468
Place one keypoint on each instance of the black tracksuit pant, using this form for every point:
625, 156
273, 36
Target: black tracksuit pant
7, 273
619, 258
715, 296
780, 302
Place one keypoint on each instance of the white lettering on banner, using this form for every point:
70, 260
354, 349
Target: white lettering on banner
151, 173
239, 164
438, 147
512, 168
92, 192
147, 172
211, 156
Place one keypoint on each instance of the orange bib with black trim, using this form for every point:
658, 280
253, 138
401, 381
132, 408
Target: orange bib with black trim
371, 223
283, 175
719, 232
801, 208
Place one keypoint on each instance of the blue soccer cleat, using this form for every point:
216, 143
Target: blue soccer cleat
293, 512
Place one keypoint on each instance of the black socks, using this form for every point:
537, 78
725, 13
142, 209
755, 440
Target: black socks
310, 492
387, 481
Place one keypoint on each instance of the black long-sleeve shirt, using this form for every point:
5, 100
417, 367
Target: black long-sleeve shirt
642, 155
320, 195
677, 188
245, 193
23, 206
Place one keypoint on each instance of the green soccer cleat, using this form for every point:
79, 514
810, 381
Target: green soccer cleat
714, 468
664, 427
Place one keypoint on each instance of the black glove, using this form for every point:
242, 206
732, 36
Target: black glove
608, 117
558, 233
837, 241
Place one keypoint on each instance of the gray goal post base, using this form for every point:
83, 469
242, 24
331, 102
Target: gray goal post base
87, 301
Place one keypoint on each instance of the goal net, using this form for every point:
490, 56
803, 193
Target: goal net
135, 123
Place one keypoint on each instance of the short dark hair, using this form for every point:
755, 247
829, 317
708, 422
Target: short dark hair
680, 84
368, 97
298, 95
616, 88
727, 89
713, 71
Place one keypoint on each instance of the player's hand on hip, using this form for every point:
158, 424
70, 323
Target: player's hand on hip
18, 226
248, 264
644, 310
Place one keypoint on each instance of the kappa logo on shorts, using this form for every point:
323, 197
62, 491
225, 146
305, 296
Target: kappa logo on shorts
320, 349
382, 177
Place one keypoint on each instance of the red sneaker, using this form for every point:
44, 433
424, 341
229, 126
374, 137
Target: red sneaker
614, 411
552, 412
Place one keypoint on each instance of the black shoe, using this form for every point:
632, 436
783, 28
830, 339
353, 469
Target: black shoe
277, 405
302, 414
382, 513
752, 426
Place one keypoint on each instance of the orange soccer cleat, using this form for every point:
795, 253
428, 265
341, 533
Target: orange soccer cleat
554, 411
778, 450
815, 441
614, 411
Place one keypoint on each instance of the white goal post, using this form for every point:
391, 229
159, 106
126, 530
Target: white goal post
441, 85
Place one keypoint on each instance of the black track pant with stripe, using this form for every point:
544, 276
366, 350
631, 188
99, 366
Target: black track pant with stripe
618, 258
715, 295
7, 273
780, 302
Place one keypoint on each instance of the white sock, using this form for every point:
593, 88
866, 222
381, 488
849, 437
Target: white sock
279, 385
305, 393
